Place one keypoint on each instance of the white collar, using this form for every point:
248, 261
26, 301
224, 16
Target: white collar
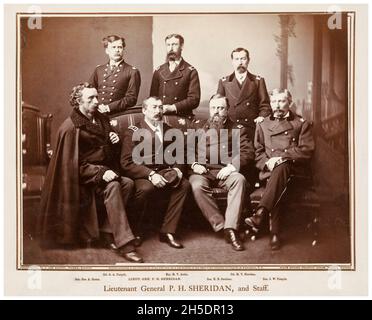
113, 63
241, 76
152, 127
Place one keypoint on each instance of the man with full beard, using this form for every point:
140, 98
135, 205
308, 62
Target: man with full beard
176, 82
223, 150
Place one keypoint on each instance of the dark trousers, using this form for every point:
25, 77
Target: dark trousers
115, 196
145, 190
276, 187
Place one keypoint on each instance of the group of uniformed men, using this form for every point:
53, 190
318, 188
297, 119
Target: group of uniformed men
92, 162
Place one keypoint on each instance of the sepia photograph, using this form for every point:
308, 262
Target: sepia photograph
185, 139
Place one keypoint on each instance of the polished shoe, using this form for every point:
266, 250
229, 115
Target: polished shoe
108, 241
137, 241
255, 221
169, 239
132, 256
232, 238
274, 242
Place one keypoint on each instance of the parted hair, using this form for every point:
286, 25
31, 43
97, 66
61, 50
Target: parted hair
177, 36
286, 91
239, 50
145, 102
219, 96
112, 38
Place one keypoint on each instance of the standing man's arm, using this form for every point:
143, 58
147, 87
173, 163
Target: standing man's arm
246, 155
130, 98
221, 88
264, 108
154, 89
193, 95
93, 80
259, 145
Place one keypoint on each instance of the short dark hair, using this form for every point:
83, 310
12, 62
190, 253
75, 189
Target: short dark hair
239, 50
286, 91
112, 38
175, 35
76, 93
144, 103
219, 96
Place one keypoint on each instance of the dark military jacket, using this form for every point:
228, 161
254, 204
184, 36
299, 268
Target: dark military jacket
117, 88
247, 101
180, 87
241, 161
290, 138
131, 168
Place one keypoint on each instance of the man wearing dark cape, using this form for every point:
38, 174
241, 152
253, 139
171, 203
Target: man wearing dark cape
84, 169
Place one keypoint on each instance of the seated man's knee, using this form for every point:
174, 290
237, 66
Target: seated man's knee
197, 183
143, 189
112, 186
185, 185
282, 169
127, 183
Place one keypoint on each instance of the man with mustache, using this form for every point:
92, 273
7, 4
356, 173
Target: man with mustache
176, 82
284, 146
154, 177
216, 170
85, 167
247, 94
117, 82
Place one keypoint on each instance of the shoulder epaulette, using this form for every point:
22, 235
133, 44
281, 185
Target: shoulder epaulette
157, 68
191, 68
224, 78
133, 128
134, 68
258, 77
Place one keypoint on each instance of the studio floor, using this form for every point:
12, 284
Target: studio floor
203, 247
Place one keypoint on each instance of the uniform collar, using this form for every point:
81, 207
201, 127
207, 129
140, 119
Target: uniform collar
115, 64
241, 76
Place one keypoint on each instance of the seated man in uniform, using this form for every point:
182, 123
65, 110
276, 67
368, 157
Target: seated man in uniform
218, 170
284, 146
151, 172
84, 167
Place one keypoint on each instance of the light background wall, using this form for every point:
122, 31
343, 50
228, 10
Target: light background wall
67, 49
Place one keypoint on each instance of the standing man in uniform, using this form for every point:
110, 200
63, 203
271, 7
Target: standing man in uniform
247, 94
225, 173
176, 82
284, 146
85, 167
117, 82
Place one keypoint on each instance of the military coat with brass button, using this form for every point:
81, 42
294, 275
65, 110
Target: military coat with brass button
244, 159
246, 101
118, 87
180, 87
290, 138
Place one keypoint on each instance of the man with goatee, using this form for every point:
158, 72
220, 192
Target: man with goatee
222, 153
176, 82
